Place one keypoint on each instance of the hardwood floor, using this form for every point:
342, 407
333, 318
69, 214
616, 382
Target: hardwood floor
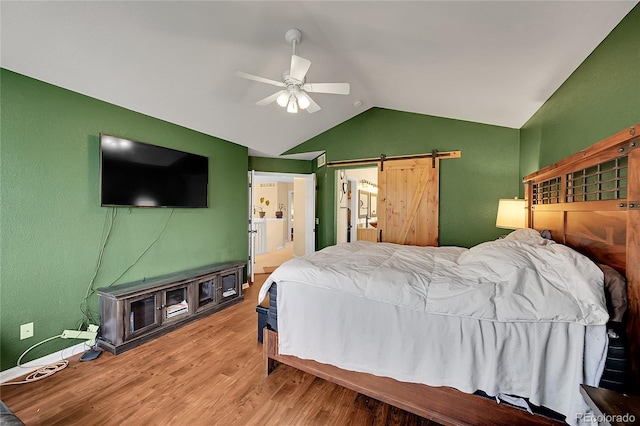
206, 373
270, 260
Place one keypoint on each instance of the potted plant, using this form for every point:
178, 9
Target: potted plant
260, 208
279, 211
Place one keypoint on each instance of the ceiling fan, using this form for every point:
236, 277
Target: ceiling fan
294, 94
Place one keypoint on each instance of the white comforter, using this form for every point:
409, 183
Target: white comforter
520, 316
504, 280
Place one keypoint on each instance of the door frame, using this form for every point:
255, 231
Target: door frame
251, 231
258, 176
353, 205
352, 176
289, 216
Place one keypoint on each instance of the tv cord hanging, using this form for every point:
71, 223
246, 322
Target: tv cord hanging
135, 262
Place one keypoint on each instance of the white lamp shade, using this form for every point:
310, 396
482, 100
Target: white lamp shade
283, 98
293, 105
303, 100
511, 214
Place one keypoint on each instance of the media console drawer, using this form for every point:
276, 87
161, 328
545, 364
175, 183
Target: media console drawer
136, 312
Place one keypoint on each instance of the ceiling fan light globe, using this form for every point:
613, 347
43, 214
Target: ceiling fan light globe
303, 100
293, 105
283, 99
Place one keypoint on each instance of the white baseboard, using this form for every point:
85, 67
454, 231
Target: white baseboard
24, 369
245, 286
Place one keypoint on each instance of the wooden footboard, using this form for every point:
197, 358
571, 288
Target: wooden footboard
441, 404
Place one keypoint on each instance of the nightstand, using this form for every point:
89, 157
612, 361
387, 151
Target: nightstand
610, 407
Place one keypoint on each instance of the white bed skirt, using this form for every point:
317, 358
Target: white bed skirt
543, 361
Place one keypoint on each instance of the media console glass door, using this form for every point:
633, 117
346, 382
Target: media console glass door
206, 292
143, 314
175, 303
151, 310
229, 285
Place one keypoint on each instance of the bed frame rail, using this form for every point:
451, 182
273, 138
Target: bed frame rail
444, 405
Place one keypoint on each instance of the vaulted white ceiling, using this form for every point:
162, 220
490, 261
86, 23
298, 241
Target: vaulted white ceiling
492, 62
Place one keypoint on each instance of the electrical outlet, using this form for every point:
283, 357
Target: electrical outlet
26, 331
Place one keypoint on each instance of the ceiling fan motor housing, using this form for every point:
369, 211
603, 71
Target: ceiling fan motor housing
293, 35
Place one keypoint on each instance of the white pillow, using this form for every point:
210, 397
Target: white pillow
529, 236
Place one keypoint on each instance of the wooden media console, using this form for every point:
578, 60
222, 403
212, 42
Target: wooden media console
136, 312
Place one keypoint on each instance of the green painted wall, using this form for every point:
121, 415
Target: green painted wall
470, 186
266, 164
600, 98
51, 222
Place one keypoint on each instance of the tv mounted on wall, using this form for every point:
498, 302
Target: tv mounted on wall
136, 174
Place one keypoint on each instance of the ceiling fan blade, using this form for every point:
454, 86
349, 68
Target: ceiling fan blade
313, 106
333, 88
299, 67
270, 98
260, 79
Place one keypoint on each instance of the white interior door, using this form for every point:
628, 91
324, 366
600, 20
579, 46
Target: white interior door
251, 230
310, 219
304, 221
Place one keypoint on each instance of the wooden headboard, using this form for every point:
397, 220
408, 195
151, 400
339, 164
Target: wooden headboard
590, 201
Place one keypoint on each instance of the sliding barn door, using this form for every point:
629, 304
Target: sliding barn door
408, 201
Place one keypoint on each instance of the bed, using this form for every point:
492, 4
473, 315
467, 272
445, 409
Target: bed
521, 316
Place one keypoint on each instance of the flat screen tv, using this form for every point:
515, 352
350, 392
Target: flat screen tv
136, 174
